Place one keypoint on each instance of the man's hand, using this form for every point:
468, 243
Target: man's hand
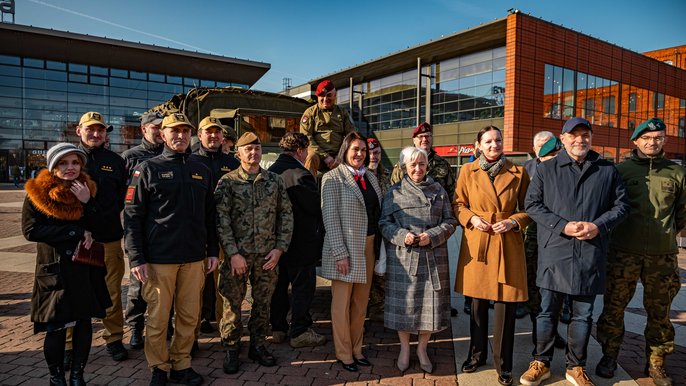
588, 231
343, 266
330, 162
212, 264
238, 265
140, 272
272, 259
572, 228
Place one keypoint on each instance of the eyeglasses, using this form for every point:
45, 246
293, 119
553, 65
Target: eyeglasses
648, 138
423, 136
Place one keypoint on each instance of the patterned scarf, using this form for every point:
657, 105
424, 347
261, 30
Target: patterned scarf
491, 168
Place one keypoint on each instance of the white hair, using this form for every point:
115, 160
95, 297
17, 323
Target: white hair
542, 136
410, 154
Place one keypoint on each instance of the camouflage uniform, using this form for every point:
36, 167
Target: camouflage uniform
376, 293
644, 247
254, 217
438, 168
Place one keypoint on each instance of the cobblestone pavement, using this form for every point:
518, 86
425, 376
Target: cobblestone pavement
21, 357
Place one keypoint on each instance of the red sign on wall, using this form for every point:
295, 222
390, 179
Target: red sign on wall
454, 150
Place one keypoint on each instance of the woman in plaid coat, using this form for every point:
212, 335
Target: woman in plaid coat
417, 220
350, 208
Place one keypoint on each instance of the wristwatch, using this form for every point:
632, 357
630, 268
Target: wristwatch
514, 224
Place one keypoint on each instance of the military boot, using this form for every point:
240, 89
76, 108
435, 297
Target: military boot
606, 367
231, 361
261, 355
57, 376
76, 377
657, 372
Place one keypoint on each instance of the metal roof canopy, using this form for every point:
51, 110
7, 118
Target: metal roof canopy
490, 35
41, 43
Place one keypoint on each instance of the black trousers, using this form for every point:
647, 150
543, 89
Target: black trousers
135, 305
303, 282
503, 334
209, 298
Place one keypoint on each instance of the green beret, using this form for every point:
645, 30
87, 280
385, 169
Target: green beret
653, 124
552, 145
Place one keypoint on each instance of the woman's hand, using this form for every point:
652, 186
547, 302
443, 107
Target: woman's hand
81, 191
343, 266
424, 239
410, 238
480, 224
502, 226
87, 240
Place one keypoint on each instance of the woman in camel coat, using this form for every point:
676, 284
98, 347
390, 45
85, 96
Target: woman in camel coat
489, 204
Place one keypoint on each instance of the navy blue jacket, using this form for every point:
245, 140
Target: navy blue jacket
561, 192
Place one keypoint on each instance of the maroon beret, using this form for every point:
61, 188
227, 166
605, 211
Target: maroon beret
324, 87
423, 127
372, 143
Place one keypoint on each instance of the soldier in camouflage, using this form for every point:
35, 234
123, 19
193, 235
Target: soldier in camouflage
438, 168
255, 224
644, 247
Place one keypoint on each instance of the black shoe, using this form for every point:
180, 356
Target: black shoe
606, 367
195, 349
505, 378
117, 351
521, 311
560, 341
68, 358
453, 312
206, 327
57, 376
159, 377
76, 375
186, 377
136, 342
470, 365
566, 316
350, 367
231, 361
261, 355
362, 361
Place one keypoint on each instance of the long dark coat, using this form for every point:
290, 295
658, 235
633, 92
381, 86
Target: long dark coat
561, 192
308, 229
417, 282
63, 291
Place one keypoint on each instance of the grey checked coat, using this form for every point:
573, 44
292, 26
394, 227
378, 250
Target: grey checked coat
417, 282
345, 222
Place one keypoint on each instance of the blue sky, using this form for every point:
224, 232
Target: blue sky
307, 39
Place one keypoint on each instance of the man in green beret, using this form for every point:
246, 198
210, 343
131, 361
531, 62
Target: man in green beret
255, 225
644, 247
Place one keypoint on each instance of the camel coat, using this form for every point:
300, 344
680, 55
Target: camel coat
492, 266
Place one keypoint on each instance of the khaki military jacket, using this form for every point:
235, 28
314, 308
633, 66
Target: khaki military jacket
253, 216
326, 129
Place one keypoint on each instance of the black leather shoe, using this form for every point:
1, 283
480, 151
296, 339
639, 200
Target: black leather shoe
76, 375
350, 367
505, 378
362, 361
606, 367
186, 377
117, 351
560, 341
159, 377
453, 312
206, 327
261, 355
231, 361
521, 311
57, 376
68, 358
470, 365
136, 342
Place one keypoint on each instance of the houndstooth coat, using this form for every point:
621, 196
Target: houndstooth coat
417, 282
345, 222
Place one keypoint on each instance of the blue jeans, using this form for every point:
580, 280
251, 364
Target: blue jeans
578, 331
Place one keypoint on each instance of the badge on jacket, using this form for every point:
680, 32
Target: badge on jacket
166, 175
106, 168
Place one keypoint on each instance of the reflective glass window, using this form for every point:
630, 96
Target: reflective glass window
51, 65
5, 59
78, 78
37, 63
78, 68
119, 73
138, 75
10, 70
174, 79
156, 77
95, 70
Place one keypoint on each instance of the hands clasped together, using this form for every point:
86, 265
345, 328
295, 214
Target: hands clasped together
582, 230
479, 223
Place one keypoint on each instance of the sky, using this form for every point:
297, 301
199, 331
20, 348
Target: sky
303, 40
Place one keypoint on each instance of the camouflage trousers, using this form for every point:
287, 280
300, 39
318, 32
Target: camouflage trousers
660, 278
232, 289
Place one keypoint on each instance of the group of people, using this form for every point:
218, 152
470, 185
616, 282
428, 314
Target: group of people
199, 226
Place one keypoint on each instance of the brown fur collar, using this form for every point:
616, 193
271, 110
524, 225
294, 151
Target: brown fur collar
52, 197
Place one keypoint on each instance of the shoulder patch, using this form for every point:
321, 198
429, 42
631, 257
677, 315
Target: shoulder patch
130, 194
304, 120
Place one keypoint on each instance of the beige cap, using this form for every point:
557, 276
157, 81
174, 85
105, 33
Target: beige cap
208, 122
93, 118
176, 119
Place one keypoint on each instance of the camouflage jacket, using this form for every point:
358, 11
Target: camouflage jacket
439, 169
383, 176
253, 216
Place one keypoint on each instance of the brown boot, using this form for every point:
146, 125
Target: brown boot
658, 374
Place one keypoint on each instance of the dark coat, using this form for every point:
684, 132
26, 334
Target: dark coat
561, 192
308, 228
63, 291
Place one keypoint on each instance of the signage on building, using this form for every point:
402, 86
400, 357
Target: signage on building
454, 150
7, 8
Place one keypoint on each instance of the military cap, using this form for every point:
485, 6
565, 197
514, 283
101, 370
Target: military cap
551, 145
572, 123
175, 119
324, 87
653, 124
423, 127
93, 118
372, 143
154, 117
208, 122
248, 138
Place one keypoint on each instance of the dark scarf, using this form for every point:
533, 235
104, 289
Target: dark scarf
492, 168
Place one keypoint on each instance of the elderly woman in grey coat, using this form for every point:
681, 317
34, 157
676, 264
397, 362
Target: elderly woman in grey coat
416, 221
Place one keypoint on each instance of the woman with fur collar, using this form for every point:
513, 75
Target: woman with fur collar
58, 213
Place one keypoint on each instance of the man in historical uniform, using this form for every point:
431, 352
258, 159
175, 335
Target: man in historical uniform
108, 170
325, 125
170, 231
151, 146
644, 247
297, 267
255, 224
